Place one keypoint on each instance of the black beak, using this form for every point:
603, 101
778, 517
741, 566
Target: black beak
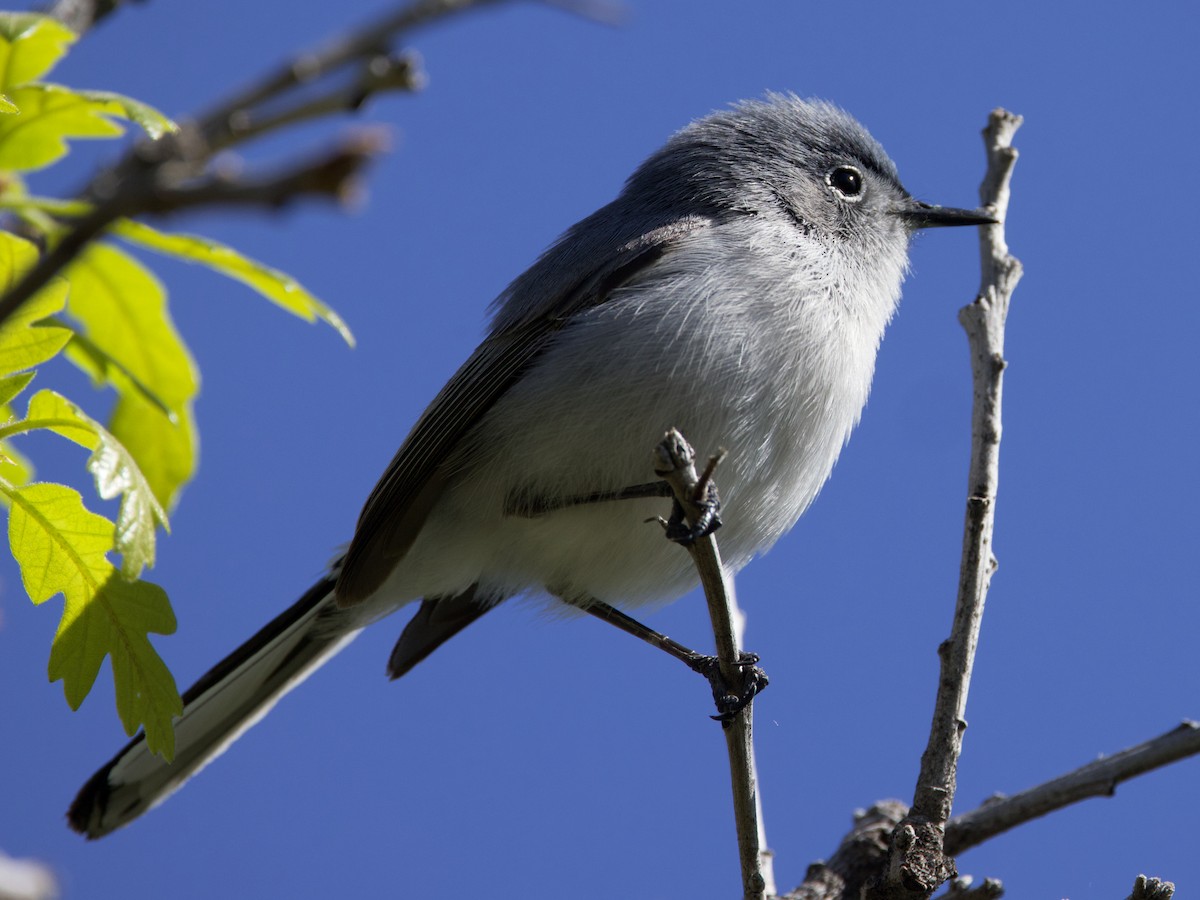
922, 215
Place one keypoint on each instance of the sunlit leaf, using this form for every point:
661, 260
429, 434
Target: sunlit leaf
104, 369
7, 106
30, 45
166, 448
23, 342
50, 116
17, 201
61, 548
276, 286
122, 309
131, 342
115, 470
11, 386
153, 122
15, 468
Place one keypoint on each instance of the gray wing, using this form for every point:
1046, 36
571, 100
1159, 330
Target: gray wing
398, 506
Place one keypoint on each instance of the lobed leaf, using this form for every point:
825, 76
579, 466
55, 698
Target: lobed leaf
105, 369
116, 473
153, 122
130, 342
61, 548
276, 286
50, 116
122, 309
30, 46
165, 446
24, 341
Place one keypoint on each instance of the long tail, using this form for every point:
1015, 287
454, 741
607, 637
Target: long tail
235, 694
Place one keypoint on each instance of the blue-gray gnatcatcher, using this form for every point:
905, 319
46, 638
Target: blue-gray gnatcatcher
737, 289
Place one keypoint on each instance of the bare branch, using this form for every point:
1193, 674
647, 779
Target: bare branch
1096, 779
332, 175
379, 74
364, 45
675, 463
863, 852
169, 174
859, 858
918, 863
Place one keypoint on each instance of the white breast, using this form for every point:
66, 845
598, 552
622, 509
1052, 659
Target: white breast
706, 342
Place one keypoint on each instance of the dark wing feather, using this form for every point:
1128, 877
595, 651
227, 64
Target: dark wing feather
398, 506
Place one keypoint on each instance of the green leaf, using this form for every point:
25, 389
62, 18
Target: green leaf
15, 468
10, 387
165, 448
153, 122
30, 45
50, 116
161, 439
61, 548
276, 286
122, 309
23, 342
104, 369
22, 203
7, 106
131, 342
115, 471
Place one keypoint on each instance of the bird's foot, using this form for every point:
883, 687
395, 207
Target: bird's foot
679, 530
730, 699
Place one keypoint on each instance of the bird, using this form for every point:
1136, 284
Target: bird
737, 289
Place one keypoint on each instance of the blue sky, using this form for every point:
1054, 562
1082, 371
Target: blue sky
532, 757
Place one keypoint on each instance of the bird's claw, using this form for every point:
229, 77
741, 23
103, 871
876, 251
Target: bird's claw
684, 533
729, 701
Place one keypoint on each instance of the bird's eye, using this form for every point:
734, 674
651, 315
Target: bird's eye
846, 180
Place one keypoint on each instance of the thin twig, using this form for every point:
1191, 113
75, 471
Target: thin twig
365, 42
331, 175
380, 74
219, 125
169, 174
1096, 779
918, 862
863, 851
675, 464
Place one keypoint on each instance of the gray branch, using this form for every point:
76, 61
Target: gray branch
918, 862
863, 852
674, 462
332, 175
173, 173
1096, 779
